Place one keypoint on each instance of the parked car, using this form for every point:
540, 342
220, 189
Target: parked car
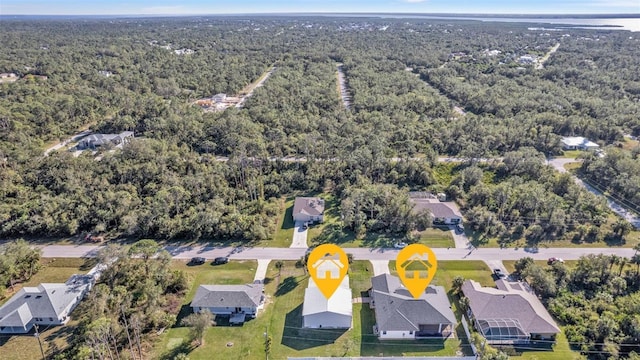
460, 228
552, 260
400, 245
498, 273
305, 226
220, 260
197, 261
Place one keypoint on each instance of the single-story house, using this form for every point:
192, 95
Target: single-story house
441, 212
47, 304
308, 209
510, 314
239, 302
578, 143
320, 312
96, 140
401, 316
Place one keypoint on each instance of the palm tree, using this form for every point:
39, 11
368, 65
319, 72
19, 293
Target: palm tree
636, 260
457, 283
623, 262
279, 266
613, 259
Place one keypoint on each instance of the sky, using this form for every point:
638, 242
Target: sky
187, 7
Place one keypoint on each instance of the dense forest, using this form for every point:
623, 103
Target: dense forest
420, 88
597, 300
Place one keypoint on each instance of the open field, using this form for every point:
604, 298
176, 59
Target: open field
25, 347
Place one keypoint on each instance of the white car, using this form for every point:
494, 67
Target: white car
400, 245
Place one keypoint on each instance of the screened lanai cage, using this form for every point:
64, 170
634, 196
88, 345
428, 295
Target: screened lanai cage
502, 331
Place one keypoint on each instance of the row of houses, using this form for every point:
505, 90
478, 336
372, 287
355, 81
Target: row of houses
508, 314
311, 209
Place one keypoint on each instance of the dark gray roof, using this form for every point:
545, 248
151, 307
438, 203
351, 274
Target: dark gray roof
249, 295
509, 302
396, 309
308, 205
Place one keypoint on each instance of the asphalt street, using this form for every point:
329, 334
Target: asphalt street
483, 254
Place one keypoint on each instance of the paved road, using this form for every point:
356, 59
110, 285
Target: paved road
634, 219
484, 254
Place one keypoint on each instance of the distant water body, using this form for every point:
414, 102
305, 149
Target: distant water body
628, 23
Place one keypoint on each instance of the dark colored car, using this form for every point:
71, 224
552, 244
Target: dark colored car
220, 260
197, 261
498, 273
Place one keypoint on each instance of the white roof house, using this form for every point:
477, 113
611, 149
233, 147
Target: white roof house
578, 143
333, 313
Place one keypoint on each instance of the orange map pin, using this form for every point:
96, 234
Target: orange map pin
416, 265
328, 265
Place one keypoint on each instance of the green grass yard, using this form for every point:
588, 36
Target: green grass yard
437, 238
282, 320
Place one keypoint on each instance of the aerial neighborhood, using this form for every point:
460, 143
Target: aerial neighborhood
322, 185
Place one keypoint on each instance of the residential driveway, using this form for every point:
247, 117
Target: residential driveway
461, 240
261, 271
496, 264
380, 267
559, 163
64, 143
299, 236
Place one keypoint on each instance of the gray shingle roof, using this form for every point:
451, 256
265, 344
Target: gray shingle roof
396, 309
249, 295
43, 301
437, 209
313, 206
509, 302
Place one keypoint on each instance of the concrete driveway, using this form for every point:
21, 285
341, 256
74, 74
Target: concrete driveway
460, 238
261, 271
380, 267
299, 236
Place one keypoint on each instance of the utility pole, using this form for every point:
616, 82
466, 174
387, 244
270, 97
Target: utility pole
267, 343
37, 335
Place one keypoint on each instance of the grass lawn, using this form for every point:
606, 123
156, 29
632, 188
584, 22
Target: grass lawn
437, 238
572, 154
449, 269
54, 271
282, 320
360, 273
25, 347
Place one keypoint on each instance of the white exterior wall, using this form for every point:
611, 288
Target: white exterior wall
307, 218
226, 310
396, 335
327, 320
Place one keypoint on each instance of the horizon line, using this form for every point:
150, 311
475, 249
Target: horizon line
519, 14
